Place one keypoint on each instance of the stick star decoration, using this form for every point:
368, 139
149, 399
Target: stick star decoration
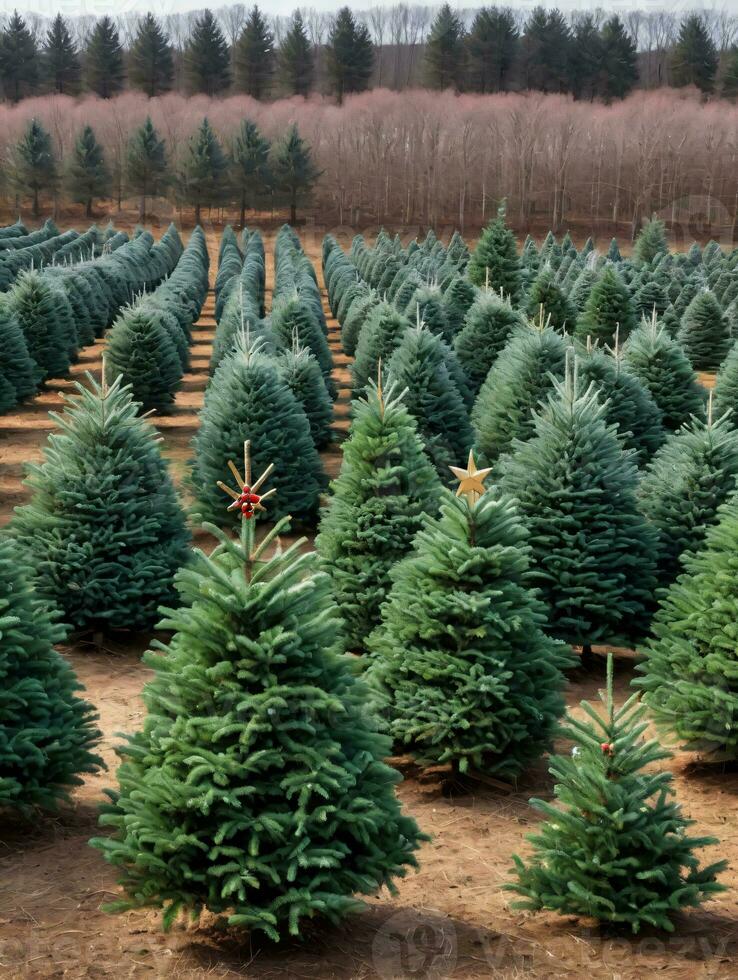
471, 480
247, 500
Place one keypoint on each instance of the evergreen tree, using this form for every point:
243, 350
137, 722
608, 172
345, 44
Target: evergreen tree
146, 164
295, 58
204, 170
729, 88
150, 61
704, 333
60, 59
104, 531
104, 67
608, 312
518, 380
663, 367
293, 321
586, 60
47, 732
426, 306
461, 666
207, 59
18, 59
254, 56
615, 846
444, 51
458, 298
694, 59
284, 728
381, 334
34, 305
33, 165
651, 241
495, 262
87, 176
293, 170
592, 551
140, 350
19, 370
385, 487
726, 384
548, 301
488, 326
300, 369
250, 166
546, 51
349, 55
619, 66
492, 46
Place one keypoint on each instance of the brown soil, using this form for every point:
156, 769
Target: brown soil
450, 919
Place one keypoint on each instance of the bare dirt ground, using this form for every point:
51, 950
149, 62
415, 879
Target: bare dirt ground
450, 919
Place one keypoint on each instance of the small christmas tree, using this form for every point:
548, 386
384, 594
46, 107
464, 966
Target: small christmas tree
385, 487
293, 320
548, 300
726, 384
263, 796
458, 299
663, 367
380, 335
461, 666
305, 380
704, 332
651, 241
104, 531
615, 847
592, 552
141, 350
47, 732
427, 307
32, 302
16, 364
495, 262
609, 309
488, 326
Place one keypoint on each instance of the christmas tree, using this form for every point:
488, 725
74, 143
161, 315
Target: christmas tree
592, 552
488, 326
461, 666
495, 262
204, 170
704, 333
609, 309
385, 487
60, 59
295, 58
651, 241
383, 330
293, 321
146, 164
548, 300
458, 299
104, 59
254, 57
87, 176
305, 380
726, 384
104, 531
141, 350
33, 303
263, 796
685, 484
150, 58
17, 366
207, 60
426, 306
615, 847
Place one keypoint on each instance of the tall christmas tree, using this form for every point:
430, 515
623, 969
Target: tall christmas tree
615, 846
547, 299
704, 333
609, 310
87, 176
461, 666
104, 65
203, 170
495, 262
288, 811
207, 59
253, 56
295, 58
142, 352
380, 335
60, 59
488, 325
150, 60
726, 384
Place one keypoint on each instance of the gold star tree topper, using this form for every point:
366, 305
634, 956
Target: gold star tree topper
471, 480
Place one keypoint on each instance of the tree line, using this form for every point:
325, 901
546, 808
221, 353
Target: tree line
489, 49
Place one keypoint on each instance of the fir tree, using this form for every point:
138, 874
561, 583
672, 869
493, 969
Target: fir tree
518, 380
380, 335
254, 56
146, 164
488, 326
60, 59
293, 170
458, 298
285, 728
694, 59
47, 732
104, 68
619, 65
726, 384
461, 667
18, 368
33, 165
608, 312
349, 55
104, 531
18, 59
615, 847
293, 321
207, 59
444, 51
203, 171
141, 351
33, 303
729, 89
495, 262
547, 300
651, 241
491, 46
295, 59
385, 487
301, 371
592, 551
251, 170
704, 333
87, 176
426, 306
546, 51
150, 61
587, 56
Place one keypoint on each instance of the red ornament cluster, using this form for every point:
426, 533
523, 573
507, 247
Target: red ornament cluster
607, 748
246, 502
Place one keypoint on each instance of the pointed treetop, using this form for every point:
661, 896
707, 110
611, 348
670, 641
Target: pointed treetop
471, 480
248, 500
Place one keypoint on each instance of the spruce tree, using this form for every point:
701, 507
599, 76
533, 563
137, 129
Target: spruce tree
104, 67
349, 55
33, 303
251, 171
104, 531
460, 665
663, 367
546, 299
651, 241
18, 59
619, 65
380, 335
207, 59
694, 58
142, 352
445, 51
293, 320
608, 312
726, 384
495, 262
293, 170
426, 306
458, 298
284, 728
203, 170
146, 164
492, 46
704, 333
33, 165
592, 551
357, 315
60, 62
546, 51
295, 58
87, 175
614, 847
47, 732
729, 87
377, 503
587, 57
254, 56
301, 371
488, 326
18, 368
517, 382
150, 60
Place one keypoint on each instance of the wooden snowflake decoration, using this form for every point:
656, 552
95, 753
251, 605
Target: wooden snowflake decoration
247, 501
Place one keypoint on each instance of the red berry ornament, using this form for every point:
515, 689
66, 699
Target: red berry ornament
606, 748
